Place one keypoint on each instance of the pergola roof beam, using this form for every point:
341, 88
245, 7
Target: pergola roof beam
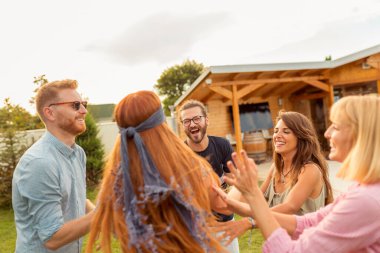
268, 80
295, 88
311, 96
248, 89
318, 84
222, 91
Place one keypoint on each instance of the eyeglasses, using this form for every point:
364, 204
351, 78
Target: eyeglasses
74, 104
196, 120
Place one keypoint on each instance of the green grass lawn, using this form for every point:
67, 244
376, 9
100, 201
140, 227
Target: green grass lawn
251, 241
7, 231
8, 234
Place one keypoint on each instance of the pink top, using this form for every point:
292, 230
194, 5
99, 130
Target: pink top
350, 224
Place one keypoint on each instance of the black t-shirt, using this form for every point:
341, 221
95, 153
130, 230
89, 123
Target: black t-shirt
218, 153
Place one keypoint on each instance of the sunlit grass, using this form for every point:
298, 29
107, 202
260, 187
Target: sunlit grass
8, 234
251, 241
7, 231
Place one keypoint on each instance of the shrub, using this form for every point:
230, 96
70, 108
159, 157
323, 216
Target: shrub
13, 121
94, 150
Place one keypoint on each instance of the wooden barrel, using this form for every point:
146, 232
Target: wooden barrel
255, 145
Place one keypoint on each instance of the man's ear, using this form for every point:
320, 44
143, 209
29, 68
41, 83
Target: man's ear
48, 113
206, 120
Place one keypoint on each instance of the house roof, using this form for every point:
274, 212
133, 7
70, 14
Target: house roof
276, 67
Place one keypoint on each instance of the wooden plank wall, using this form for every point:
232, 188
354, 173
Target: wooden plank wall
220, 123
352, 73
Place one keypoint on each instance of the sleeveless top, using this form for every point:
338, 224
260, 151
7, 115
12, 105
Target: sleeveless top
310, 205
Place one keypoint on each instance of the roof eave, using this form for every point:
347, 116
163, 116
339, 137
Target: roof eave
279, 67
356, 56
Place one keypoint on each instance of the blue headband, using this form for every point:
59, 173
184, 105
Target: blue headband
155, 190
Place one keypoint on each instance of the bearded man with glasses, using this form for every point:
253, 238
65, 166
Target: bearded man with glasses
216, 150
49, 185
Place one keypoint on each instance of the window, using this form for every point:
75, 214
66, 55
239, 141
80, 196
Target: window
254, 117
355, 89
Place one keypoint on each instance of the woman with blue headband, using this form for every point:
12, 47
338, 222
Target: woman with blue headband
156, 194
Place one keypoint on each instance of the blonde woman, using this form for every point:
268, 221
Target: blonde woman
352, 222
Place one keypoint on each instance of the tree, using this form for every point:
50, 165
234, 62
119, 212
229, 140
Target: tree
13, 121
175, 80
94, 150
40, 81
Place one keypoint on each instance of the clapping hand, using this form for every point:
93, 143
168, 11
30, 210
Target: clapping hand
244, 174
231, 229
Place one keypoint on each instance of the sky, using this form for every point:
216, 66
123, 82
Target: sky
117, 47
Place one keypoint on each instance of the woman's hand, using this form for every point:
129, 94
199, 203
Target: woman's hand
218, 203
89, 206
232, 204
244, 174
244, 177
232, 229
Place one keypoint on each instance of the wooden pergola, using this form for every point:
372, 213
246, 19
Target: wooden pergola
287, 82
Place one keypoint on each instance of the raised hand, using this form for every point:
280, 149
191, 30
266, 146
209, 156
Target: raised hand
244, 174
231, 229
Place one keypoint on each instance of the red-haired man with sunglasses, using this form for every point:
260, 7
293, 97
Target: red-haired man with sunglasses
49, 185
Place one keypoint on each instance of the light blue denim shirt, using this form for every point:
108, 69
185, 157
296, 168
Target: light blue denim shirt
48, 190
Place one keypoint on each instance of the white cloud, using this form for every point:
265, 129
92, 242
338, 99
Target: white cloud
120, 46
161, 38
338, 39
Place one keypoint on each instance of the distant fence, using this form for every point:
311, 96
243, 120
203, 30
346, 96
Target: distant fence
108, 132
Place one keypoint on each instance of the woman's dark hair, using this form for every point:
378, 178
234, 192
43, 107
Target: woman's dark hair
308, 150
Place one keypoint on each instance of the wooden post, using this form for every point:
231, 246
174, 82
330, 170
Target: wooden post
331, 96
330, 101
378, 78
236, 115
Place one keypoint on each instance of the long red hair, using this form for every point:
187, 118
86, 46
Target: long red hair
174, 160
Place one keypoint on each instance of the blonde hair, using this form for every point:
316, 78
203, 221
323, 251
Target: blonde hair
176, 163
362, 114
48, 93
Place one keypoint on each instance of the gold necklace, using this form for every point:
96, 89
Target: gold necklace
283, 176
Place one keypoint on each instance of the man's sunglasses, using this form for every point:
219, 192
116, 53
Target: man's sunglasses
74, 104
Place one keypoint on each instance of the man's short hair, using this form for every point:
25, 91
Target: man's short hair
48, 93
193, 103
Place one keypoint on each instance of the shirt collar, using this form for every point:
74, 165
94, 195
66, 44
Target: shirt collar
63, 148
